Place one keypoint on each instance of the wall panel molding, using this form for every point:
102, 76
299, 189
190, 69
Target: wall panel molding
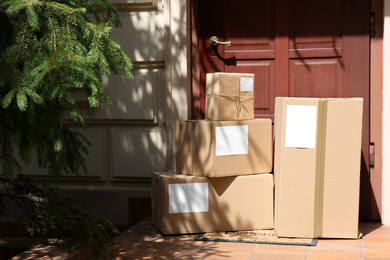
135, 102
134, 5
158, 64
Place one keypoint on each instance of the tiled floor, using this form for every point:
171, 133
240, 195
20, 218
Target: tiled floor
144, 241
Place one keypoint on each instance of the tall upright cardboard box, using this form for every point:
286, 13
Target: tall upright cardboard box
192, 204
230, 96
317, 167
223, 148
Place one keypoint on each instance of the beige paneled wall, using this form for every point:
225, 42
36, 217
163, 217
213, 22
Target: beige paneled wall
128, 138
137, 152
134, 123
98, 152
139, 100
133, 137
141, 35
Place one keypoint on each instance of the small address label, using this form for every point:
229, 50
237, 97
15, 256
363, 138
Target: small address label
188, 197
246, 84
301, 126
231, 140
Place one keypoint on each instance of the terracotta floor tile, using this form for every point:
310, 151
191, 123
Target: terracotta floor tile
377, 241
376, 230
167, 253
266, 251
179, 238
351, 242
376, 258
46, 252
267, 255
301, 250
134, 241
229, 246
127, 253
328, 257
216, 254
376, 251
179, 244
335, 249
382, 232
144, 241
143, 237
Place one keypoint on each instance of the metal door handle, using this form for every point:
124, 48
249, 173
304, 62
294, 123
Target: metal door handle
214, 41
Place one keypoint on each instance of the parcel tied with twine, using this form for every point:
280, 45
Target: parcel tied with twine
229, 96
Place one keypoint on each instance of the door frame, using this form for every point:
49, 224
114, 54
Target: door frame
376, 103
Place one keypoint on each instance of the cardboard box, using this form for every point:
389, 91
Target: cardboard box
317, 167
191, 204
223, 148
229, 96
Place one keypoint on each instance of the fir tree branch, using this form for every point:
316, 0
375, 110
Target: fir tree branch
69, 36
21, 44
66, 54
109, 46
63, 9
54, 39
51, 49
17, 56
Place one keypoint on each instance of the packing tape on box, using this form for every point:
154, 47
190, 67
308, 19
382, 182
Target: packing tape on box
319, 181
194, 165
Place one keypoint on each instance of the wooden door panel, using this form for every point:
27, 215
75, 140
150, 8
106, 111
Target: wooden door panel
300, 48
258, 20
316, 28
257, 40
252, 55
315, 78
264, 84
317, 53
316, 24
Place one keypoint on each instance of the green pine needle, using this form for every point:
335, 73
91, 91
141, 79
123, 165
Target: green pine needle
48, 50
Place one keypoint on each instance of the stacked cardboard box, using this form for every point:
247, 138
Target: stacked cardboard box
193, 204
224, 148
223, 164
229, 96
317, 167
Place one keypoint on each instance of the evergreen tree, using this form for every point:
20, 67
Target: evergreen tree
50, 49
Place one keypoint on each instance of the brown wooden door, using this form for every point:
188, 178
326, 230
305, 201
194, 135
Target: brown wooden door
299, 48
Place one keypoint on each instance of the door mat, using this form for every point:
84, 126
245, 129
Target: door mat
255, 236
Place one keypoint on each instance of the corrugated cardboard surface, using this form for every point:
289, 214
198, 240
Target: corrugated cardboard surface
225, 99
235, 203
196, 152
342, 162
317, 189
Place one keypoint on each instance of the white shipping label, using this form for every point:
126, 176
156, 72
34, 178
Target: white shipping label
231, 140
246, 84
188, 197
301, 126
